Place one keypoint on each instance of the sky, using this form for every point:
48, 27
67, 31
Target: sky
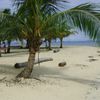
5, 4
78, 37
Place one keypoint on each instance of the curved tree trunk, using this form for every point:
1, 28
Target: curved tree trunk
34, 47
8, 48
28, 69
61, 44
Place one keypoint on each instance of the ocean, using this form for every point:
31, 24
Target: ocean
65, 43
75, 43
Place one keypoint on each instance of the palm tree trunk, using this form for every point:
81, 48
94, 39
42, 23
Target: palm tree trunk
8, 48
49, 44
46, 44
0, 53
0, 48
27, 43
28, 69
61, 44
34, 47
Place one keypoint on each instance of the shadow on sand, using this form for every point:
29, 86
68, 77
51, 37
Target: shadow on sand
57, 74
13, 54
47, 73
8, 70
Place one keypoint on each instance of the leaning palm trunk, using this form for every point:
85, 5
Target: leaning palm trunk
28, 69
34, 47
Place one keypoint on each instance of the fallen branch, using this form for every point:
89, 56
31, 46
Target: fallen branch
24, 64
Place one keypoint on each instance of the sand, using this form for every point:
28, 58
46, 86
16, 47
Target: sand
78, 80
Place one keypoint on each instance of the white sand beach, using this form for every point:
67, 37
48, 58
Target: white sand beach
78, 80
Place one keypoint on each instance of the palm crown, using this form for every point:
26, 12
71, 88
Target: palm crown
37, 15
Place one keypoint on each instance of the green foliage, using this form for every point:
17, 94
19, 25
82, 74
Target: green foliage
36, 19
8, 26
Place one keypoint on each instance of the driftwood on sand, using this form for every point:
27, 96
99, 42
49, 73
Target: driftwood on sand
55, 51
24, 64
62, 64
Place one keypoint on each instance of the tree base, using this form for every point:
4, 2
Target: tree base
24, 74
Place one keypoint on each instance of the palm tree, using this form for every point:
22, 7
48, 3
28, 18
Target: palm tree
48, 39
63, 35
1, 40
7, 11
8, 27
35, 18
63, 30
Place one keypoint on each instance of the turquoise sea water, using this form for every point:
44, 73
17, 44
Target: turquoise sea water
75, 43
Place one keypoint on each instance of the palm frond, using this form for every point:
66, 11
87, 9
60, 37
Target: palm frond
85, 17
